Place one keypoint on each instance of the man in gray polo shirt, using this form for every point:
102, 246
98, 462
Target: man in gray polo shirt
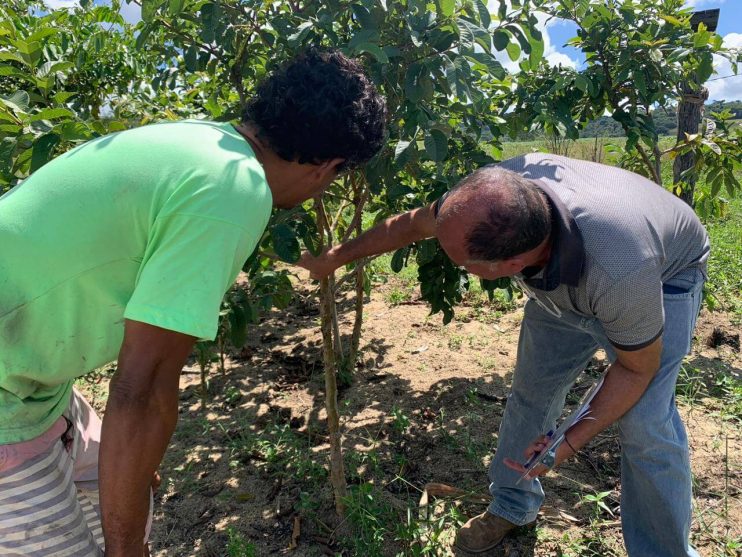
608, 260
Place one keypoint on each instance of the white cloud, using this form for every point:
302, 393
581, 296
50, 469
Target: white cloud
131, 12
728, 88
57, 4
559, 58
703, 3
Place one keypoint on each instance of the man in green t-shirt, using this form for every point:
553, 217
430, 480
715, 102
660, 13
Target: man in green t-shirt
122, 249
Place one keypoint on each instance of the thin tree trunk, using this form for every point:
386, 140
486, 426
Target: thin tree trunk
361, 195
690, 111
330, 357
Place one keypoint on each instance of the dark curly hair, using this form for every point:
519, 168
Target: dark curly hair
317, 107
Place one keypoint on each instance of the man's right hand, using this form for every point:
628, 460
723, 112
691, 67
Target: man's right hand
389, 235
320, 266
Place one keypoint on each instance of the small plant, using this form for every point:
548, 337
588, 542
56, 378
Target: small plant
238, 546
398, 296
597, 500
369, 517
455, 342
400, 420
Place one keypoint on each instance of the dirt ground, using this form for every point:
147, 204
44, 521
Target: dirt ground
424, 406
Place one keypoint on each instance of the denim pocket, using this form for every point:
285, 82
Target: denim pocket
673, 290
682, 285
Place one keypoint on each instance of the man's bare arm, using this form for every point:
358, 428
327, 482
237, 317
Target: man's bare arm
140, 417
393, 233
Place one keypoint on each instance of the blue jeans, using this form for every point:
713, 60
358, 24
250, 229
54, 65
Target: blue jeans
655, 469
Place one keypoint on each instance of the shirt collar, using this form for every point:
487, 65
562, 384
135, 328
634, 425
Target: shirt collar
567, 249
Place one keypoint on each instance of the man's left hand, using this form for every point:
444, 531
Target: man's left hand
563, 452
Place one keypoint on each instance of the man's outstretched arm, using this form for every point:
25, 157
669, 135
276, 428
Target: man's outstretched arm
393, 233
140, 417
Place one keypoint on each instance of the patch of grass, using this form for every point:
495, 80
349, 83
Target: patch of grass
455, 341
716, 389
725, 260
397, 296
281, 451
377, 523
238, 546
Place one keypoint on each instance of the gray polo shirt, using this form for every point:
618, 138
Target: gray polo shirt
617, 237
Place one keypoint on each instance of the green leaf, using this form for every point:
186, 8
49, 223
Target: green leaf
493, 65
374, 50
712, 145
210, 14
310, 242
285, 243
436, 145
705, 68
42, 150
537, 48
501, 40
302, 31
191, 58
399, 258
4, 55
466, 34
655, 54
412, 89
672, 20
446, 7
42, 33
30, 51
237, 326
513, 51
149, 10
11, 70
640, 82
581, 83
484, 14
73, 131
18, 101
400, 151
51, 114
174, 7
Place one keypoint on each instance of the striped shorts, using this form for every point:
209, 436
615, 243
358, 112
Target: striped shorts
49, 489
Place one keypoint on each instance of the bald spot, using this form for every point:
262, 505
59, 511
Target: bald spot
467, 205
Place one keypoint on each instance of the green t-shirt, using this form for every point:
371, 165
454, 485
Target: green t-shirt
151, 224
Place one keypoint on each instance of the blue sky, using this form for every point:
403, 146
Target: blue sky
556, 33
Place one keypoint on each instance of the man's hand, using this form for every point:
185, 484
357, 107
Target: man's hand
320, 266
393, 233
563, 452
140, 417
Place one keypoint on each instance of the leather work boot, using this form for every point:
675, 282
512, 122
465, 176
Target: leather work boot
482, 533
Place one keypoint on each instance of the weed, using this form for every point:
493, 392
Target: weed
360, 465
238, 546
398, 296
369, 517
281, 452
597, 501
455, 342
400, 420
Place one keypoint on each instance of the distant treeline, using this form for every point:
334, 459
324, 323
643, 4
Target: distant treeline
665, 120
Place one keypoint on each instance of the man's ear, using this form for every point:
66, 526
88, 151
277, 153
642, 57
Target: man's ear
514, 265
